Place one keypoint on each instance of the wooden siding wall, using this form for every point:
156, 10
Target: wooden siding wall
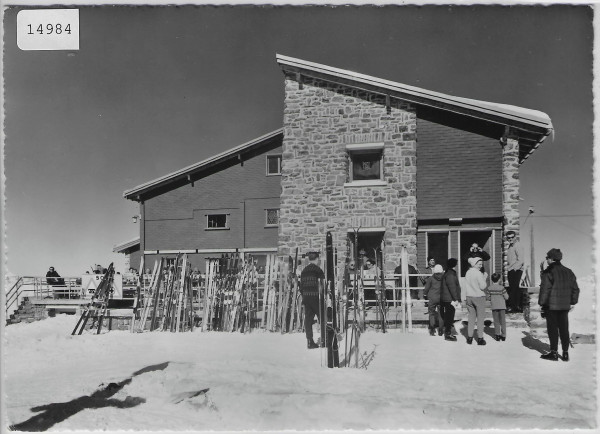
459, 172
176, 220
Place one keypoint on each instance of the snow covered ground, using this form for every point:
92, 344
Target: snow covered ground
268, 381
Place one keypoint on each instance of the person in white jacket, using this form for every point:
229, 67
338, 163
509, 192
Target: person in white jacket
475, 286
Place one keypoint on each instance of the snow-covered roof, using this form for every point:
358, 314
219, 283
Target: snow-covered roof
121, 248
533, 125
185, 174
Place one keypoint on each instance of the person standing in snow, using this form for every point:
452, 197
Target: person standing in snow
515, 259
475, 285
432, 292
449, 297
414, 293
311, 284
559, 292
497, 295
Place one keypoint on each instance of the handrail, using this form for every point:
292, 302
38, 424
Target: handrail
13, 292
38, 287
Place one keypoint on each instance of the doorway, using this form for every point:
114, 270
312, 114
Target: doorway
367, 241
437, 247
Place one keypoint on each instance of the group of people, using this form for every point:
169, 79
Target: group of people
558, 294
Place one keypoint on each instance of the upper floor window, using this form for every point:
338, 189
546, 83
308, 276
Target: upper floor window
272, 217
366, 163
217, 221
273, 165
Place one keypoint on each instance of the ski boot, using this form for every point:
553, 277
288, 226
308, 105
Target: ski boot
311, 344
552, 355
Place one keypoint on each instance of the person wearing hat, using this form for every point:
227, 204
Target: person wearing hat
311, 284
515, 259
450, 297
558, 294
475, 284
432, 293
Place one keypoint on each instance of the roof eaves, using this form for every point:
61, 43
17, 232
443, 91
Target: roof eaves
197, 167
527, 116
126, 245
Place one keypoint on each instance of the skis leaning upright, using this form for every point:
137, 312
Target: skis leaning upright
331, 338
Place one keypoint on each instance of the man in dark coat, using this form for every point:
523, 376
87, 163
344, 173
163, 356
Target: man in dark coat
311, 284
432, 293
53, 278
558, 293
449, 297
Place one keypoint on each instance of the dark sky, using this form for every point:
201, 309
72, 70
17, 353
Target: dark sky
154, 89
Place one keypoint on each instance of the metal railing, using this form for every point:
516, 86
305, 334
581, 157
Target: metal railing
13, 295
391, 283
67, 288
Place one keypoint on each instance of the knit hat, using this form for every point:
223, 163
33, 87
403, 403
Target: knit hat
438, 269
554, 254
474, 261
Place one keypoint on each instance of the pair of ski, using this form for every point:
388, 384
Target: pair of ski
291, 297
380, 290
329, 311
98, 306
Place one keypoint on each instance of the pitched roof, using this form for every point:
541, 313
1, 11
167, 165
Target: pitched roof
185, 174
121, 248
533, 126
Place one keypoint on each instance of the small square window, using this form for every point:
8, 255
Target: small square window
272, 217
366, 165
273, 165
216, 221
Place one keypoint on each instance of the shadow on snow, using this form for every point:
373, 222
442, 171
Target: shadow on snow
58, 412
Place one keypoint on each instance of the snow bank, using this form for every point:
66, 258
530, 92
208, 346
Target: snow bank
269, 381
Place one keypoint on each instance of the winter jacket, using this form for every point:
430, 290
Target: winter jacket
433, 288
475, 283
558, 290
309, 280
450, 287
497, 295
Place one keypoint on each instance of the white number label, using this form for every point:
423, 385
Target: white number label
48, 29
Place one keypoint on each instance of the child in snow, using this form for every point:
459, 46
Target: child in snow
498, 295
432, 291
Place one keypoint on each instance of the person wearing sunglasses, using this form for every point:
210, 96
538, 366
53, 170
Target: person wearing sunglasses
515, 258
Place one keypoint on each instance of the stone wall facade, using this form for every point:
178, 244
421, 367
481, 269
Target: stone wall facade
320, 120
510, 193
